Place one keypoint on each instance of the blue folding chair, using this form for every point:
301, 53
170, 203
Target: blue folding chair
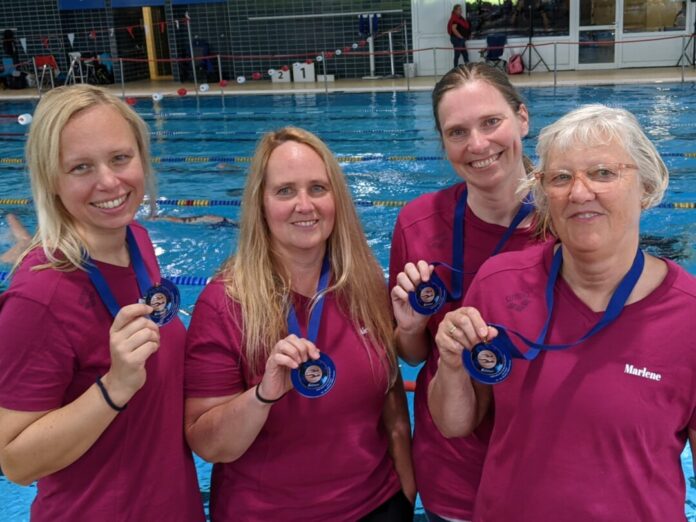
493, 53
7, 67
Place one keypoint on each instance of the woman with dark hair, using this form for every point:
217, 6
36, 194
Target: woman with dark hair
481, 120
459, 30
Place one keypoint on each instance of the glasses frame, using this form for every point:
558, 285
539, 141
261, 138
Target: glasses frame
589, 184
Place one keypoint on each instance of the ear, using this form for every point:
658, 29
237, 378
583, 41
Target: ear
523, 116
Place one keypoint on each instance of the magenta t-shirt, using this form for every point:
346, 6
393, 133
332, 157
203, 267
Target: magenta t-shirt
593, 432
447, 470
314, 459
54, 343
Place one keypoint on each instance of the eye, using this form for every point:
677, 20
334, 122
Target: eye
602, 173
82, 168
558, 177
121, 159
492, 122
319, 189
284, 191
457, 133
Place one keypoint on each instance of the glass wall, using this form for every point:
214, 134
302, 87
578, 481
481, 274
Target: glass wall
518, 17
654, 15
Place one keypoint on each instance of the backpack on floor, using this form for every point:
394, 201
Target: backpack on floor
515, 65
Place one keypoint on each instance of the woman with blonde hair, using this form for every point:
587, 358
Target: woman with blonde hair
303, 291
85, 390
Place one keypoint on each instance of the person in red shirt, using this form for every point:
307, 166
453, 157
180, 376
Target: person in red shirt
459, 30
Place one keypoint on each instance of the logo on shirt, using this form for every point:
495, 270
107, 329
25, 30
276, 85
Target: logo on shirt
517, 301
642, 372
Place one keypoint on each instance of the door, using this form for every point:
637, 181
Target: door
597, 34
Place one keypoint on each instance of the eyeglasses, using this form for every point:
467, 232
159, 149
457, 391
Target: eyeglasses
598, 179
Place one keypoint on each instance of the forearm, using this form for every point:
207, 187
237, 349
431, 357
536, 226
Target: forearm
57, 439
412, 347
225, 432
452, 401
398, 427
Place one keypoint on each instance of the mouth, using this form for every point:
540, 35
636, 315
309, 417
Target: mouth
111, 203
306, 224
585, 215
483, 163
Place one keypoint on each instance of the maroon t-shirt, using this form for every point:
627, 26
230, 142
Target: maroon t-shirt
314, 459
54, 343
595, 431
447, 470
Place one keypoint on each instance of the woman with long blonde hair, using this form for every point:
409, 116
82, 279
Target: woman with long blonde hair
89, 384
302, 260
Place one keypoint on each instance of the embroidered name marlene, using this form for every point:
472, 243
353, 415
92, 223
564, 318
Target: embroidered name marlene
642, 372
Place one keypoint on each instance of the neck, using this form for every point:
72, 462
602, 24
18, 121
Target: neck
497, 207
304, 272
594, 278
109, 247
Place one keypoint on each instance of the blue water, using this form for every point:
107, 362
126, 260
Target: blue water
390, 153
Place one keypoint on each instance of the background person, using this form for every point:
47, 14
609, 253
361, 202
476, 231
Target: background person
240, 411
481, 120
88, 157
595, 431
459, 30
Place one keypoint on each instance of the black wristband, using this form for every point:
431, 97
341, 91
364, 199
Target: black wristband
265, 401
108, 400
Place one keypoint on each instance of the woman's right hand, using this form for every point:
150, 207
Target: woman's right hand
287, 355
133, 338
460, 330
407, 319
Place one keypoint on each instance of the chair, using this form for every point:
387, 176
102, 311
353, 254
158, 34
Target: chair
46, 63
493, 53
7, 67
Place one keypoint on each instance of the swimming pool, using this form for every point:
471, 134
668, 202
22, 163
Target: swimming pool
390, 152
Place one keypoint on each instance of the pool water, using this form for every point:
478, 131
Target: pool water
390, 153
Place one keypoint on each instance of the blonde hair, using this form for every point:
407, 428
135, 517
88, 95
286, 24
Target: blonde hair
256, 279
56, 231
592, 125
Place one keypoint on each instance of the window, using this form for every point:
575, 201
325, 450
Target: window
518, 17
657, 15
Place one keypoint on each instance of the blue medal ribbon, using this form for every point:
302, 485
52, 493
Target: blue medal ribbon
442, 294
318, 384
102, 287
504, 347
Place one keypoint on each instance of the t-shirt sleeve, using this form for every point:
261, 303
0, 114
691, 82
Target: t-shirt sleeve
213, 366
36, 358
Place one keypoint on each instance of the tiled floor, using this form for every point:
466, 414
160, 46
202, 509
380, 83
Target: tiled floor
423, 83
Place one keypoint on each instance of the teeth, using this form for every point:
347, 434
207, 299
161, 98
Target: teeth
586, 215
111, 204
484, 163
305, 223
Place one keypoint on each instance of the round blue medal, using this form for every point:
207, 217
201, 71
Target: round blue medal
164, 298
428, 297
314, 378
488, 363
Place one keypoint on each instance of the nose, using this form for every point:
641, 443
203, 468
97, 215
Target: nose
580, 191
478, 142
303, 203
107, 177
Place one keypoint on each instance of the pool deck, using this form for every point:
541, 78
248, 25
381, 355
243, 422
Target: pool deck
421, 83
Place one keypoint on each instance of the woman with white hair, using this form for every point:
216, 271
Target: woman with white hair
91, 389
592, 424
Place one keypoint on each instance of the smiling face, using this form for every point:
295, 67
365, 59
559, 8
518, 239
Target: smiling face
102, 182
592, 223
482, 135
299, 206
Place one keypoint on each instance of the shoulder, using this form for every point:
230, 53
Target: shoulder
38, 285
140, 232
529, 258
431, 205
683, 281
